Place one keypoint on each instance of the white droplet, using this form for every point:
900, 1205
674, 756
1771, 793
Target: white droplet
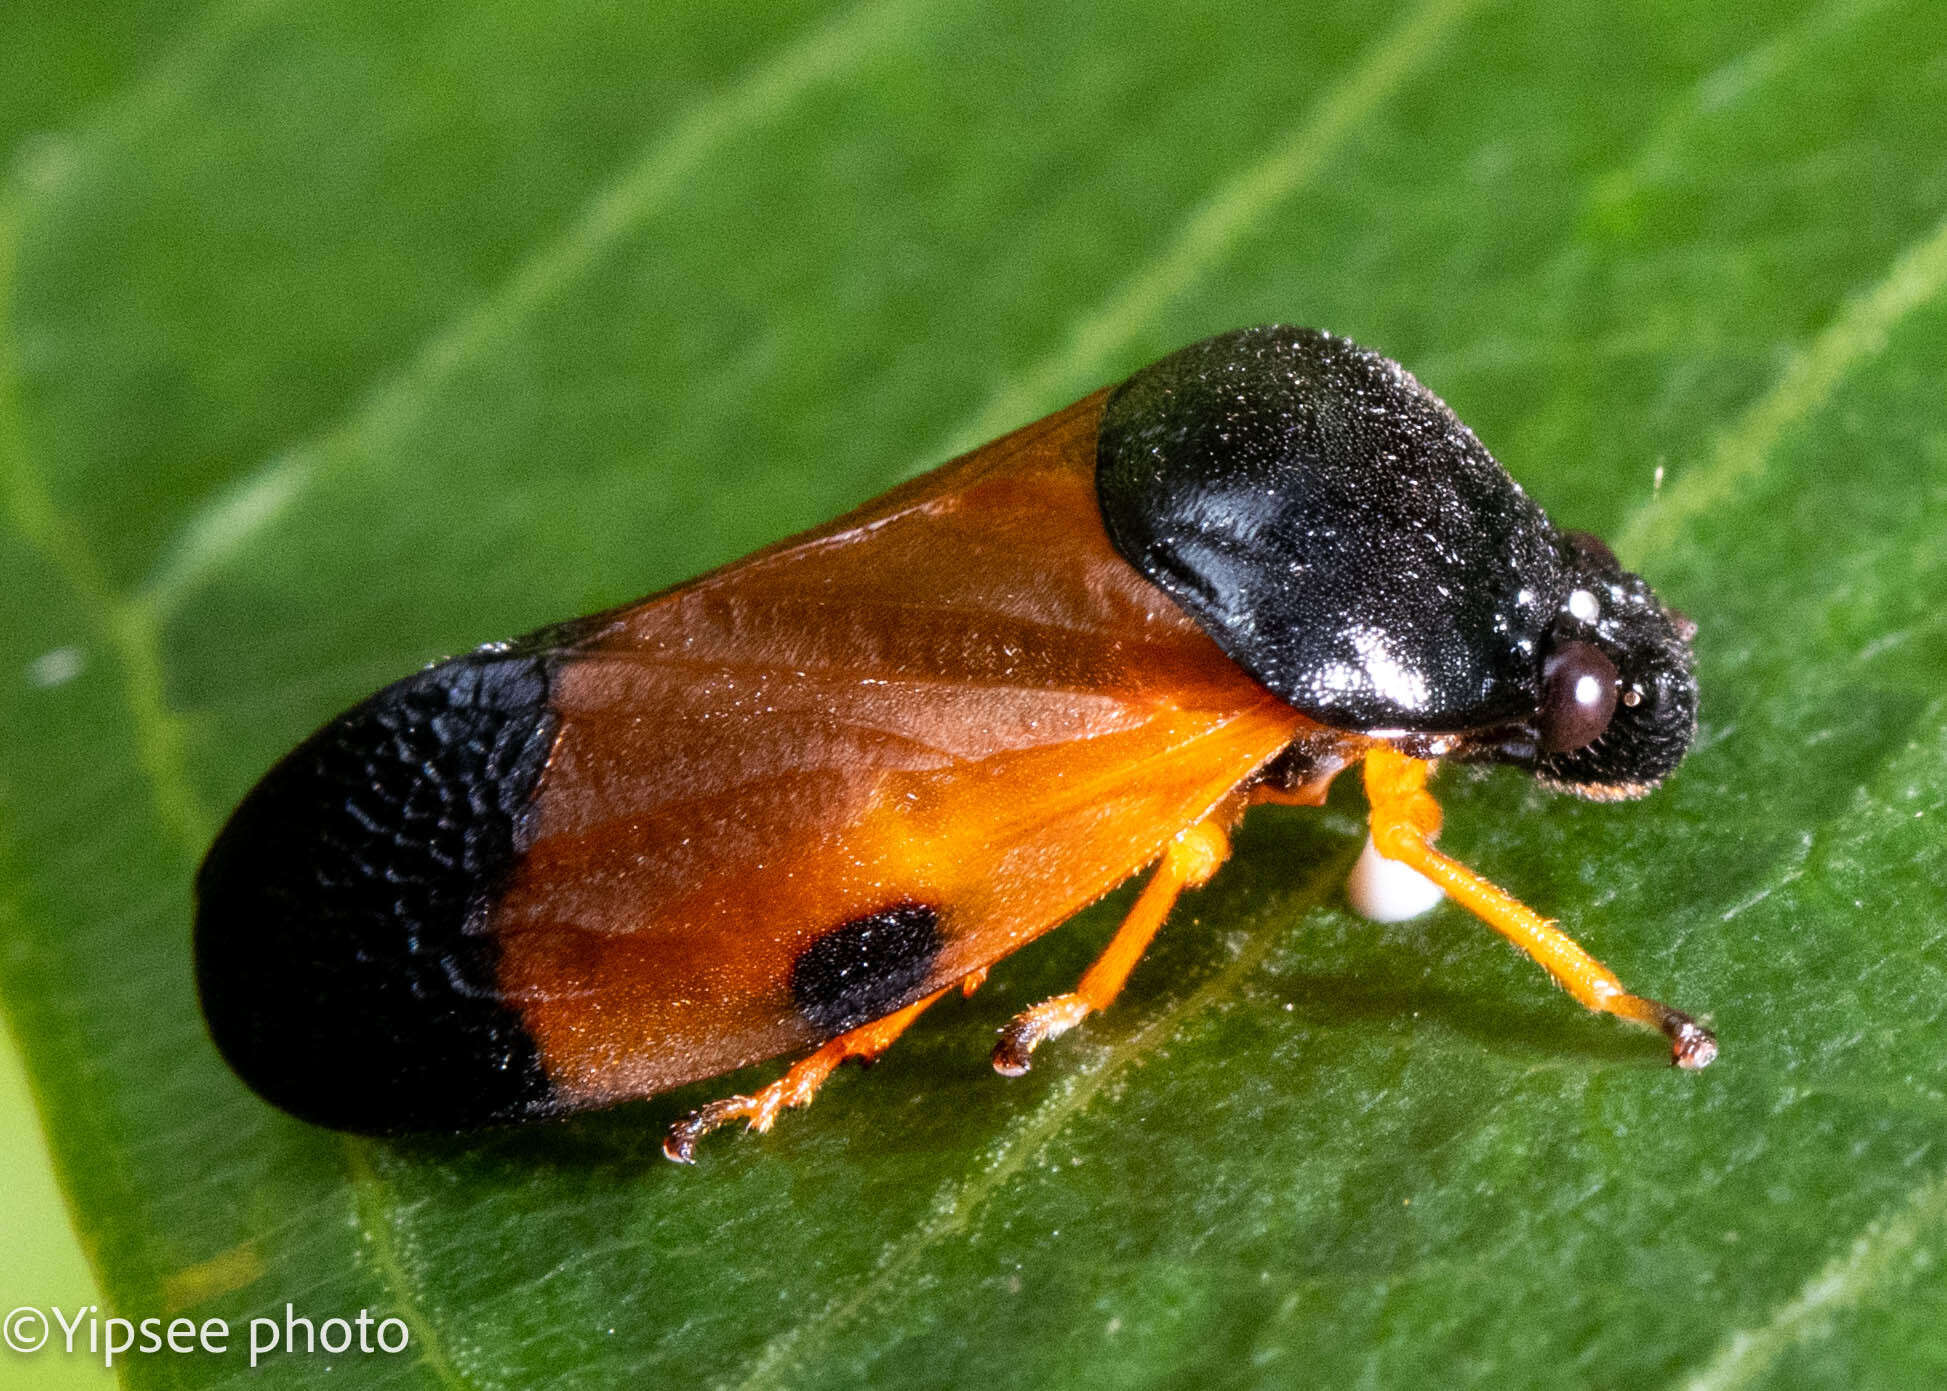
1583, 605
55, 668
1386, 891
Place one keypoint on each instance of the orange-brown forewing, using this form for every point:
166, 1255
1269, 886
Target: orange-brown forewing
958, 702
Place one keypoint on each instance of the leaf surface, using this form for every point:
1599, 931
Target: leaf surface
338, 337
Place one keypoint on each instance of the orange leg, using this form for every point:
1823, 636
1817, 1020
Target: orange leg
1188, 863
1405, 819
798, 1085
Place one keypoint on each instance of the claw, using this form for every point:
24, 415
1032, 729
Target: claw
796, 1087
1031, 1028
1692, 1046
679, 1144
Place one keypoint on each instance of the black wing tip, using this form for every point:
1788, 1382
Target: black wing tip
340, 953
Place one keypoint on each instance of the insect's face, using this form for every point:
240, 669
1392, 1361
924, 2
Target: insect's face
1618, 693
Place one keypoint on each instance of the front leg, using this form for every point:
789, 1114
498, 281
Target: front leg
1405, 818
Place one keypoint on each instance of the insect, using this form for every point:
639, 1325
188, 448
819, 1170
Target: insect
788, 805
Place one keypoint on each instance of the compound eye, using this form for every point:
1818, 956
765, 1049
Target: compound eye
1579, 686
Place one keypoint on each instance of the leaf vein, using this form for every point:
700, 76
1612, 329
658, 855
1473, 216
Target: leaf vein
1871, 1260
372, 1204
1857, 335
1215, 226
954, 1210
126, 630
137, 104
229, 521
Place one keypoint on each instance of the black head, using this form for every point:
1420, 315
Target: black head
1340, 534
1617, 703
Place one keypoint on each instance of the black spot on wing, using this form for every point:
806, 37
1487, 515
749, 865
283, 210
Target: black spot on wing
867, 968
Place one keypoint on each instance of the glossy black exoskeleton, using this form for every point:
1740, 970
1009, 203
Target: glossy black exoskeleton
1345, 539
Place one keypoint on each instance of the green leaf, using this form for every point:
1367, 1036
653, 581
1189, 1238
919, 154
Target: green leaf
335, 337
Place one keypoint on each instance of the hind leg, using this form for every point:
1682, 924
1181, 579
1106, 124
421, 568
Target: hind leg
1188, 863
798, 1085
